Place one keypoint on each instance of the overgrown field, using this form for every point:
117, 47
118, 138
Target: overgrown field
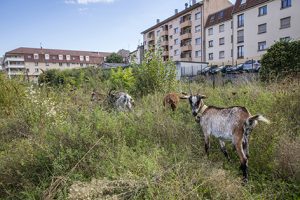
56, 143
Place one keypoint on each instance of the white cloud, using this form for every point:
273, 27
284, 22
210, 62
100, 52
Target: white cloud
87, 1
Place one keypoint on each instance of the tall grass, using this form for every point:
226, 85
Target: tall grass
55, 143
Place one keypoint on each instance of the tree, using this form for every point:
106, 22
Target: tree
114, 58
281, 60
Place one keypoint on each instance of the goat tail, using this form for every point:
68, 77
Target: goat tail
250, 120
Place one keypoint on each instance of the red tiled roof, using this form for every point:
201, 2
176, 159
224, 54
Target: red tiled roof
219, 17
94, 57
238, 7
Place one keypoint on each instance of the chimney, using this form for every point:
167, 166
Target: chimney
186, 5
157, 21
194, 2
176, 11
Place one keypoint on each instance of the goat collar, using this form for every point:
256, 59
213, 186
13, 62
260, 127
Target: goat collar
203, 108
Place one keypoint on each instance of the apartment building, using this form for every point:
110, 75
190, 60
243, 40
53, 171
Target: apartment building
258, 24
219, 37
33, 61
181, 36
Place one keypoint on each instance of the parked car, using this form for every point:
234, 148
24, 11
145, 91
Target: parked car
204, 71
236, 69
215, 69
251, 66
226, 69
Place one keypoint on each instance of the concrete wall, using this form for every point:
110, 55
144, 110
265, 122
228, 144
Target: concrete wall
227, 47
274, 33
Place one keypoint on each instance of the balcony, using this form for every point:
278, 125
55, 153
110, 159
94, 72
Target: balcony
16, 59
186, 35
165, 53
151, 38
186, 23
186, 47
186, 59
15, 66
164, 43
15, 73
164, 32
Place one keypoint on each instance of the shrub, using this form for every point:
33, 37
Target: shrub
122, 78
281, 60
155, 75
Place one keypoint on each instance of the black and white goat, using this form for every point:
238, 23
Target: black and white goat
232, 123
121, 101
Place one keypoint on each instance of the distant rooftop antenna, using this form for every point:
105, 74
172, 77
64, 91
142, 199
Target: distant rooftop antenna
41, 45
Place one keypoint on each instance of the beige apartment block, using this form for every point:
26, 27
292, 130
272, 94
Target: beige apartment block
181, 37
31, 62
258, 24
218, 31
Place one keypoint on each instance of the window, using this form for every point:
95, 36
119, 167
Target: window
176, 30
198, 41
221, 14
60, 64
231, 54
262, 46
211, 43
68, 57
285, 22
262, 11
60, 57
240, 36
158, 32
262, 28
286, 3
171, 47
176, 52
221, 28
222, 41
36, 70
36, 64
36, 56
170, 26
197, 28
210, 31
29, 56
221, 54
87, 58
176, 41
81, 58
231, 39
240, 53
198, 15
171, 36
47, 56
240, 20
197, 54
285, 39
211, 56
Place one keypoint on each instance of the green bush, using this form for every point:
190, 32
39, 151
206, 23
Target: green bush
281, 60
155, 75
123, 79
114, 58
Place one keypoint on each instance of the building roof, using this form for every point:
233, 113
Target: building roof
196, 5
94, 57
238, 7
25, 50
219, 17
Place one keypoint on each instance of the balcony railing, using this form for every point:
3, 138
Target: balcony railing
186, 35
15, 66
164, 32
186, 23
187, 47
164, 43
186, 59
165, 53
151, 37
17, 59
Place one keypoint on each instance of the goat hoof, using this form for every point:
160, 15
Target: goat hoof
245, 181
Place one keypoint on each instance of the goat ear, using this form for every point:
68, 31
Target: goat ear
203, 97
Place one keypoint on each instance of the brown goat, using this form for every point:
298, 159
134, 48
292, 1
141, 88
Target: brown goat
172, 100
233, 123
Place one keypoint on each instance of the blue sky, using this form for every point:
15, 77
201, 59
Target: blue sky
96, 25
